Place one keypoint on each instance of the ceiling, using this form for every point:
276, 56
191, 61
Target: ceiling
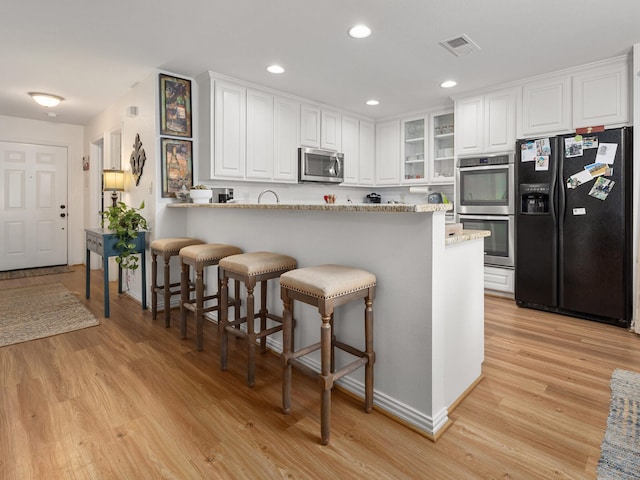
91, 53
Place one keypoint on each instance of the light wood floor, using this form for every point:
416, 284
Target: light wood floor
130, 400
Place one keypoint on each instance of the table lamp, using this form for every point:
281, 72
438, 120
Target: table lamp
113, 181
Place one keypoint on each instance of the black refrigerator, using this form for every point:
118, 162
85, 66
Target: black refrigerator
574, 225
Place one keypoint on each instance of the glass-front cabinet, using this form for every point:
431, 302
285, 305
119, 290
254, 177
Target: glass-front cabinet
414, 150
443, 164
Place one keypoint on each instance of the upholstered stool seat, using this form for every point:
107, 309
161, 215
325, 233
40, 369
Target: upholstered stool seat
250, 268
199, 257
326, 287
166, 248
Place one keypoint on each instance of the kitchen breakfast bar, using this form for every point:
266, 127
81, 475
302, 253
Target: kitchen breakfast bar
429, 304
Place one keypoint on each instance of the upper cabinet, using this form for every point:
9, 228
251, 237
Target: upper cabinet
358, 148
331, 130
259, 135
546, 107
388, 153
600, 96
230, 130
414, 147
590, 96
486, 123
442, 161
367, 153
285, 139
310, 125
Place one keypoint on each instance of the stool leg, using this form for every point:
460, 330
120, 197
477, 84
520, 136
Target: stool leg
224, 318
263, 315
236, 308
251, 336
287, 345
184, 298
199, 307
368, 368
167, 293
326, 378
333, 342
154, 285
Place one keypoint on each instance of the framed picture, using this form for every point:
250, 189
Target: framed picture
177, 165
175, 106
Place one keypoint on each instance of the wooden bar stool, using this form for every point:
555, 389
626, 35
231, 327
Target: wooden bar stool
250, 268
166, 248
326, 287
199, 257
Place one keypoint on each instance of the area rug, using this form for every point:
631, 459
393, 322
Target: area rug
620, 451
39, 311
34, 272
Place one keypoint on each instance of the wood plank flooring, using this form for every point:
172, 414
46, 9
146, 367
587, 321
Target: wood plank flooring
130, 400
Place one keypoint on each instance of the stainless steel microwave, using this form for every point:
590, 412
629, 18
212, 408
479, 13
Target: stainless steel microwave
323, 166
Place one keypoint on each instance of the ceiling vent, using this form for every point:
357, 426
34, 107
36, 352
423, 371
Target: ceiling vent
460, 45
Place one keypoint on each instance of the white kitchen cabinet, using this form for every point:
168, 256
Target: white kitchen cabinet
441, 163
367, 153
230, 130
286, 136
259, 135
330, 130
546, 107
499, 280
351, 150
310, 125
387, 168
600, 96
486, 123
414, 150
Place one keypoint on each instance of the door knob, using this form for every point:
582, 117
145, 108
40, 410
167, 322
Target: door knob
63, 206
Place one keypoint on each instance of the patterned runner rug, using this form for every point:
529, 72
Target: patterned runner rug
34, 272
39, 311
620, 451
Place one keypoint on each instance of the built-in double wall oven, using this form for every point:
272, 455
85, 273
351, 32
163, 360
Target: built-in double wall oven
485, 200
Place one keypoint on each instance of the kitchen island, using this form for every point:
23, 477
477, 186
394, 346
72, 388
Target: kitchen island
429, 305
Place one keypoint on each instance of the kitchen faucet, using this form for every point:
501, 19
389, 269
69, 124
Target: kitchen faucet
267, 191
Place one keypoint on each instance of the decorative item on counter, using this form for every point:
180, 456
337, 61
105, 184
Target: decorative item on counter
201, 194
183, 195
373, 198
330, 199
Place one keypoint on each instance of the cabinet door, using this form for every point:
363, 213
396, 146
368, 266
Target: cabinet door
230, 130
309, 126
546, 107
600, 97
351, 150
469, 126
331, 131
442, 160
367, 153
388, 153
259, 135
286, 135
500, 121
414, 148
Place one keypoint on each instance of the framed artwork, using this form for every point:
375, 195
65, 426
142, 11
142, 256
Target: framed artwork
175, 106
177, 165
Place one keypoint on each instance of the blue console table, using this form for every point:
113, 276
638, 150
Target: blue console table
103, 242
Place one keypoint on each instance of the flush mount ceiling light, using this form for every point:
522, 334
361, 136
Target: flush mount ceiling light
275, 69
359, 31
373, 103
46, 99
448, 84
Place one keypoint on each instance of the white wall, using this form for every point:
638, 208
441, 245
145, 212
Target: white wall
14, 129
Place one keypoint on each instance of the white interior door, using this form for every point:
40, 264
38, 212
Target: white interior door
33, 206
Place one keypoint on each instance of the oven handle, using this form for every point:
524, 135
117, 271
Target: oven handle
505, 218
486, 167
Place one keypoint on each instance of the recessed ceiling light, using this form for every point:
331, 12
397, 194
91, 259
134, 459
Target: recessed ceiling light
275, 69
359, 31
373, 102
448, 84
46, 99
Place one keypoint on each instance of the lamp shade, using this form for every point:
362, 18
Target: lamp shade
113, 180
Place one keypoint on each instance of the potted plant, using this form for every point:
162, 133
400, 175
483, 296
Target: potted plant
200, 194
125, 222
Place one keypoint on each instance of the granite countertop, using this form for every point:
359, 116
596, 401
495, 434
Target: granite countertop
342, 207
466, 236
